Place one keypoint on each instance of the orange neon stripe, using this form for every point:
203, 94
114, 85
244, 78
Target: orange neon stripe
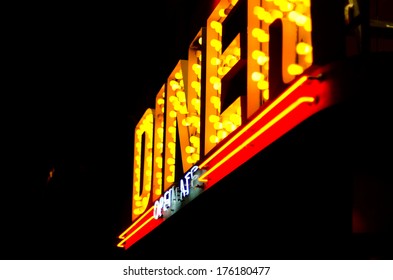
257, 118
259, 132
135, 223
135, 231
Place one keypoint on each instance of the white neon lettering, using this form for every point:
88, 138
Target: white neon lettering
187, 177
168, 199
184, 189
158, 205
175, 193
193, 170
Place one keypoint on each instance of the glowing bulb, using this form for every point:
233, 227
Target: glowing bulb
265, 94
195, 157
214, 80
307, 25
185, 123
258, 10
171, 161
256, 76
221, 13
286, 6
262, 84
222, 134
261, 60
218, 125
229, 126
214, 139
277, 14
171, 145
196, 68
181, 95
216, 44
256, 32
195, 84
214, 118
160, 101
216, 26
194, 139
190, 150
300, 20
158, 159
231, 62
256, 53
292, 15
263, 38
190, 160
178, 75
170, 179
295, 69
217, 86
215, 61
236, 119
303, 48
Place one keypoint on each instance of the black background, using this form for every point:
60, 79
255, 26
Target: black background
80, 76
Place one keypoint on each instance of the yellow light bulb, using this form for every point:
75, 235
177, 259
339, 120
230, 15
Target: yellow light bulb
222, 134
218, 125
179, 75
171, 161
256, 76
214, 118
303, 48
295, 69
214, 139
190, 160
265, 94
170, 179
190, 150
215, 61
262, 85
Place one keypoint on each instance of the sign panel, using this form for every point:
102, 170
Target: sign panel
247, 81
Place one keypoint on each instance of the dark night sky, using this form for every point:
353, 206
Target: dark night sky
82, 76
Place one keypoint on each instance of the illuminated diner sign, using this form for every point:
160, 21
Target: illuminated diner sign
247, 81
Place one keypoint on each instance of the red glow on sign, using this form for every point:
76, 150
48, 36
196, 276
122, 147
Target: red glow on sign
145, 224
303, 99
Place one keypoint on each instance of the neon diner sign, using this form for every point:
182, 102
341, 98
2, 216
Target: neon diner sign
247, 81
